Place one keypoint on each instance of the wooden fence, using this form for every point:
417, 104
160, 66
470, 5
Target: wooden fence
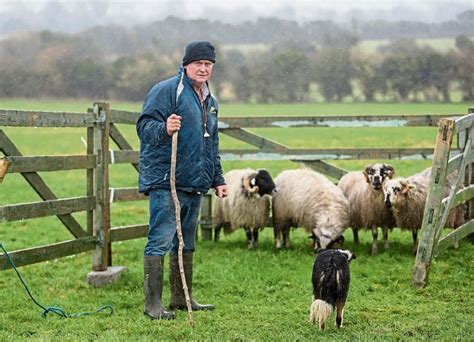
436, 208
101, 123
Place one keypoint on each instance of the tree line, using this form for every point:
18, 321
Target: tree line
59, 65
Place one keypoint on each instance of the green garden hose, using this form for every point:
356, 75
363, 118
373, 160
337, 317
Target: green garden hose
56, 310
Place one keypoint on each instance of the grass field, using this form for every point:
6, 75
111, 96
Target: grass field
261, 294
442, 45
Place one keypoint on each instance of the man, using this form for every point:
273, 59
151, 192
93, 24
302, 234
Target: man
181, 103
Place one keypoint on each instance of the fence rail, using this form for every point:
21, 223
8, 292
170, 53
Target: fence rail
23, 164
20, 118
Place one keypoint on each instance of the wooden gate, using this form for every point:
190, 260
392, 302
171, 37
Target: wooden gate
436, 208
95, 235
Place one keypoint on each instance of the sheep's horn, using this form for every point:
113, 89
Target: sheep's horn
246, 183
4, 164
254, 189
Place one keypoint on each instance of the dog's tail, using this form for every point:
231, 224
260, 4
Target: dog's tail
320, 311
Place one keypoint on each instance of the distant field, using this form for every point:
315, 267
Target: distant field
440, 44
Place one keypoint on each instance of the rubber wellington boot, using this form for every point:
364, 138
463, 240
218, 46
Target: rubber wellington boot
178, 300
153, 287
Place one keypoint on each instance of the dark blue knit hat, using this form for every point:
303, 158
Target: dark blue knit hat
198, 50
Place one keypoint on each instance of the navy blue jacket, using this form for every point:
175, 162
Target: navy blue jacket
198, 166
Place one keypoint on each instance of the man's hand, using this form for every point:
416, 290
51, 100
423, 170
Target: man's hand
173, 124
222, 191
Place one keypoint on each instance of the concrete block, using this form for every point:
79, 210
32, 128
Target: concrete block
101, 278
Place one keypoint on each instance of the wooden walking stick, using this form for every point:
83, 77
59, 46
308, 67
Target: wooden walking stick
177, 210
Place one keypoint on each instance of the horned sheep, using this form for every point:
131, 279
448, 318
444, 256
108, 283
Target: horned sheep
407, 198
306, 198
248, 203
366, 199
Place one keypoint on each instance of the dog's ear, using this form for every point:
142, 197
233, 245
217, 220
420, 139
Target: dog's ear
352, 257
348, 254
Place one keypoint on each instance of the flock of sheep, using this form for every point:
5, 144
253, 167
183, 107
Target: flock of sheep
304, 198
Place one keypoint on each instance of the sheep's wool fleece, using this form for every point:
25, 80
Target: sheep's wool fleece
367, 204
408, 210
310, 200
239, 210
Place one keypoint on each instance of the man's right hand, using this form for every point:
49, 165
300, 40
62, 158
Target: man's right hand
173, 124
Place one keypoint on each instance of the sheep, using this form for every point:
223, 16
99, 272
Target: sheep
247, 206
330, 278
308, 199
407, 198
366, 199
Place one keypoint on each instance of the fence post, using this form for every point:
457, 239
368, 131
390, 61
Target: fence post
206, 217
431, 213
468, 180
100, 256
102, 270
90, 176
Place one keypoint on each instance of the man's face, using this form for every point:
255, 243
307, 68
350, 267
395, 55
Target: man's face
199, 71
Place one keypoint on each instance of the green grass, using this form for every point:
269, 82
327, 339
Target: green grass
260, 294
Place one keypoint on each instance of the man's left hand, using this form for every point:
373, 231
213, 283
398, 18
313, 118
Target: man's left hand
222, 191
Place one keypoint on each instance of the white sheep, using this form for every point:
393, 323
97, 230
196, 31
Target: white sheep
247, 206
363, 189
407, 198
307, 199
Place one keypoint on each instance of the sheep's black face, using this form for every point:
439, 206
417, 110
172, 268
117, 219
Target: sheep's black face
376, 174
265, 183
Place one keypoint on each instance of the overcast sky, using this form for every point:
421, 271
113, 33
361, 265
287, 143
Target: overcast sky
128, 12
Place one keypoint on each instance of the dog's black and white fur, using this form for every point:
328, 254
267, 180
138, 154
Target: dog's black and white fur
330, 278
